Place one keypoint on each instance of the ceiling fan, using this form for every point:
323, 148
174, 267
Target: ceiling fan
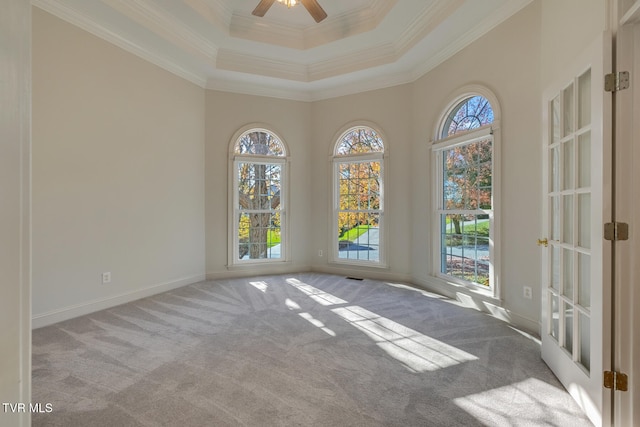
312, 6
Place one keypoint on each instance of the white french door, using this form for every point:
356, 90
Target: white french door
576, 258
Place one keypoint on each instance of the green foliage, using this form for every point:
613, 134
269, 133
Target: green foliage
469, 234
273, 237
354, 233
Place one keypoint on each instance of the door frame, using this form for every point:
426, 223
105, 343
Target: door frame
626, 319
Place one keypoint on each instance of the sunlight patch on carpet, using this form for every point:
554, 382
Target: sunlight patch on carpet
540, 403
261, 286
318, 295
417, 352
318, 324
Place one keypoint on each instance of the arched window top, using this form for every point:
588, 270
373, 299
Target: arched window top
259, 142
359, 140
471, 113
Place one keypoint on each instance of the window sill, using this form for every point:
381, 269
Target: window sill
252, 265
485, 294
382, 266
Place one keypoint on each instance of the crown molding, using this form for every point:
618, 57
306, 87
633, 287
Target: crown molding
299, 74
233, 61
430, 17
249, 27
253, 89
511, 8
355, 61
363, 85
351, 88
215, 11
76, 18
166, 26
426, 22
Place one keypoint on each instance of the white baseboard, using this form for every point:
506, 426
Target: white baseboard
66, 313
482, 303
364, 272
466, 299
259, 269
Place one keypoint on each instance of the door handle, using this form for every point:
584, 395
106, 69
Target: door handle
543, 242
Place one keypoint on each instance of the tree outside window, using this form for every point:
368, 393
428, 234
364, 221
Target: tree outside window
465, 156
358, 163
259, 168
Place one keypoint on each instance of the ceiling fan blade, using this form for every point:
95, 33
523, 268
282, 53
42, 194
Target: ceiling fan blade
262, 7
314, 9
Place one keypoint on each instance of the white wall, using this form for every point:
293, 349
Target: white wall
506, 61
226, 114
118, 174
15, 121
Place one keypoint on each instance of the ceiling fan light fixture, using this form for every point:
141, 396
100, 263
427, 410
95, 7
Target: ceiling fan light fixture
312, 6
289, 3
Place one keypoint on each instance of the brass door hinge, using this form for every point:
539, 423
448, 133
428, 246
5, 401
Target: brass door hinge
616, 381
616, 81
615, 231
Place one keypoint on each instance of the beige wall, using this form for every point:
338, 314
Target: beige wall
226, 114
506, 61
15, 99
569, 27
389, 110
118, 174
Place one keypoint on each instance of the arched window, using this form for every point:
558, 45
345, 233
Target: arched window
358, 161
259, 182
471, 113
465, 188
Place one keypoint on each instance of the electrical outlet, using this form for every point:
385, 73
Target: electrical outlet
319, 252
527, 293
106, 277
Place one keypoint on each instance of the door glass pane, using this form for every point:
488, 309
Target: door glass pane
584, 99
555, 168
554, 327
555, 119
568, 327
567, 100
555, 218
567, 166
584, 220
584, 160
567, 273
585, 341
567, 219
555, 268
584, 280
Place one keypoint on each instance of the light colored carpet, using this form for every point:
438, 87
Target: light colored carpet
294, 350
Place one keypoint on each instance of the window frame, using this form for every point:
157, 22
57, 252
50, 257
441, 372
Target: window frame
340, 159
235, 160
438, 147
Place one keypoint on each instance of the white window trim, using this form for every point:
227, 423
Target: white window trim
233, 202
438, 145
336, 160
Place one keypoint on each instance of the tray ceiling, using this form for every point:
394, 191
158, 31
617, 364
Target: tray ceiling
219, 44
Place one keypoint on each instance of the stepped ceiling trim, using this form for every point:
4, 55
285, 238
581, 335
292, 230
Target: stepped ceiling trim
337, 27
217, 44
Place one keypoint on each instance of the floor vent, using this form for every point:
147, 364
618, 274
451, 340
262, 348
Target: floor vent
355, 278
